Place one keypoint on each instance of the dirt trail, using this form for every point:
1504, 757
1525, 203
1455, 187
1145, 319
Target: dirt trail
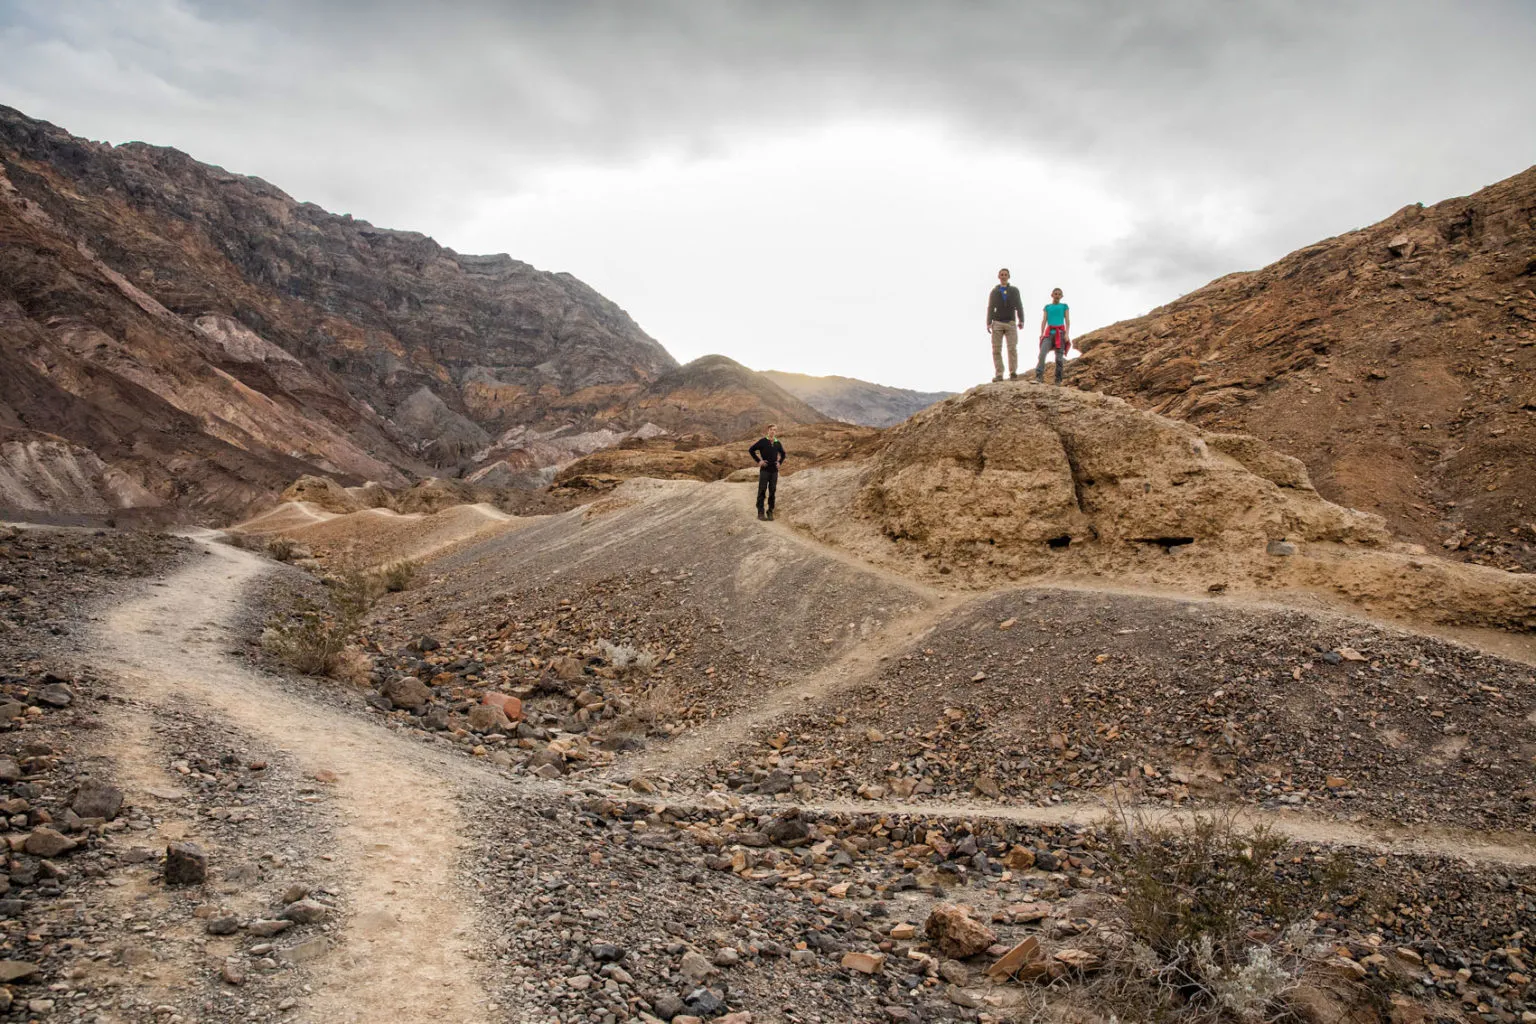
1493, 847
405, 953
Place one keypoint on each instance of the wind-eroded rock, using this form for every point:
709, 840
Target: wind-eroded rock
1007, 467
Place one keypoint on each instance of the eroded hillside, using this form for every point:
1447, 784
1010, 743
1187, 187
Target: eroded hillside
1396, 361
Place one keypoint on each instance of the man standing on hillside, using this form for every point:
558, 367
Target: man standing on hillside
1005, 318
768, 452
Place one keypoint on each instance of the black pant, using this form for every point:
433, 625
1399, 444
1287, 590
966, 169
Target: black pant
767, 483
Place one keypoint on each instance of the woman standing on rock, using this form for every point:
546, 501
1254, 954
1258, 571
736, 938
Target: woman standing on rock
1055, 328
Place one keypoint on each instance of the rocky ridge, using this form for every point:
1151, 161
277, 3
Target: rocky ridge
1395, 361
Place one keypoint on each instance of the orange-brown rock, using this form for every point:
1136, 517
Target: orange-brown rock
955, 933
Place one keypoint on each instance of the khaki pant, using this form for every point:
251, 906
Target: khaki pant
1005, 329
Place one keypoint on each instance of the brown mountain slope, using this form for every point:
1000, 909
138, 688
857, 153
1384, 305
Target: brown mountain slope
1398, 362
92, 368
221, 338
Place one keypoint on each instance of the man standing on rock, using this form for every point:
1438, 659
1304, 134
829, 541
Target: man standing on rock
768, 452
1005, 318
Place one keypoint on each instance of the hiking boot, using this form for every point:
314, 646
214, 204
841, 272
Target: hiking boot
760, 516
770, 515
1013, 376
996, 379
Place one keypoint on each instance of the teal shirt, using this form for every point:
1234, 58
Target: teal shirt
1056, 314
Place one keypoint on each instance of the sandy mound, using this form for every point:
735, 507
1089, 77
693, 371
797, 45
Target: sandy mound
322, 492
1012, 481
377, 536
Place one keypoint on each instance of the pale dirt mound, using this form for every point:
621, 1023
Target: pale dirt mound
323, 492
375, 536
1010, 482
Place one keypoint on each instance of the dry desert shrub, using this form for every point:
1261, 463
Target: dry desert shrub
398, 576
1216, 931
312, 637
282, 549
629, 662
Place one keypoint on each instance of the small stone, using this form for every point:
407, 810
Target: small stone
1019, 858
56, 695
294, 893
232, 974
185, 864
265, 929
10, 771
1336, 782
580, 982
1350, 654
304, 951
987, 787
864, 963
509, 705
223, 925
97, 800
1009, 963
306, 912
16, 970
45, 842
407, 692
606, 952
726, 957
695, 967
1280, 548
486, 718
905, 930
667, 1006
705, 1002
956, 934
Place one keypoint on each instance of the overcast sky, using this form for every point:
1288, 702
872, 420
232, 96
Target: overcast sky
826, 186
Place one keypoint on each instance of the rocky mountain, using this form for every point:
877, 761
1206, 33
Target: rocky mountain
1398, 362
856, 401
211, 338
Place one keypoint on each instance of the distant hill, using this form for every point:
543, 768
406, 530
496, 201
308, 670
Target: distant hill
1398, 362
856, 401
718, 395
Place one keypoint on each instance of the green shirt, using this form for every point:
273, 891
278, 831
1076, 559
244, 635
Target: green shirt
1056, 314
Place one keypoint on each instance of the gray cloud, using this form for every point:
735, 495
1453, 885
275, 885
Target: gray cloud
1326, 114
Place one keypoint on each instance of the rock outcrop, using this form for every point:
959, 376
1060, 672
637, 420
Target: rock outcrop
1395, 361
1009, 470
1011, 482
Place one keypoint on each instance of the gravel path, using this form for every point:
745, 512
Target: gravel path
404, 953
